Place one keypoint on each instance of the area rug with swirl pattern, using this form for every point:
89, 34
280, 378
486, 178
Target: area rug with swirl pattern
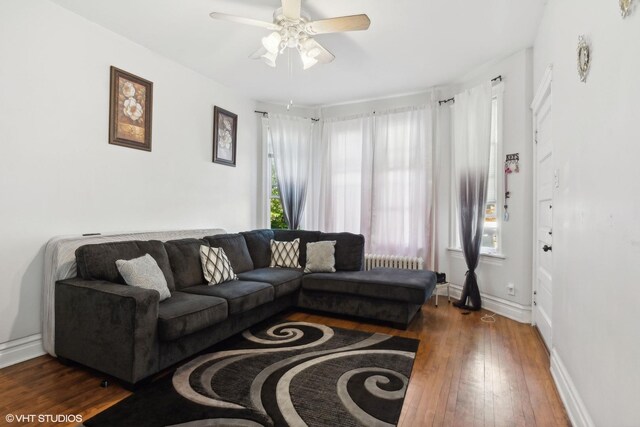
282, 374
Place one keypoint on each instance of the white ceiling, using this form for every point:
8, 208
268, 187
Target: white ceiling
410, 46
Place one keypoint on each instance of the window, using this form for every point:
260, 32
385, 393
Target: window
277, 213
490, 236
493, 210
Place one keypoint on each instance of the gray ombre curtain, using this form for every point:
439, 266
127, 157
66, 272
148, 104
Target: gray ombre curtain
471, 154
290, 139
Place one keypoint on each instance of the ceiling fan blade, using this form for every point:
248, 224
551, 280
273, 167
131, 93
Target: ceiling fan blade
324, 57
258, 53
338, 25
246, 21
291, 9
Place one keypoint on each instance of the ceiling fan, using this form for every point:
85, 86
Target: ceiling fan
292, 28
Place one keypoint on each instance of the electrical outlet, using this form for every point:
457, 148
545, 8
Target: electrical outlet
511, 289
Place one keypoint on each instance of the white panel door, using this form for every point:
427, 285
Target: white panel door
543, 202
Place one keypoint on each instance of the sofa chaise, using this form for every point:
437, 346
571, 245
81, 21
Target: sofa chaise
126, 332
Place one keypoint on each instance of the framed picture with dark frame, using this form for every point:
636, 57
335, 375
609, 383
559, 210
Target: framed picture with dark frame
130, 110
225, 133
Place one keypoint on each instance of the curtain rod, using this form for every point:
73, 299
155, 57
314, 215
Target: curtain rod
444, 101
266, 114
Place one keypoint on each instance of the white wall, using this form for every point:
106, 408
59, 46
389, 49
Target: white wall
596, 238
494, 274
59, 175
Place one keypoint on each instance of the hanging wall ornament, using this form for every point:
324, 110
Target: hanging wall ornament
625, 7
584, 58
511, 165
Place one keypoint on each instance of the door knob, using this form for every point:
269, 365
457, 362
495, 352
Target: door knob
546, 248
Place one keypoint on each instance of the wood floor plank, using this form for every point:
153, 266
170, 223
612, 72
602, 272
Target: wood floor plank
466, 373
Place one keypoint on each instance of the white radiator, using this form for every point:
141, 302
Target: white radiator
392, 261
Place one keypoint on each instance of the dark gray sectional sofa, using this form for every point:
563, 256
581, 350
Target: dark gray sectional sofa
126, 332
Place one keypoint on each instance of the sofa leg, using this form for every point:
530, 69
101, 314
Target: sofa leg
133, 387
66, 362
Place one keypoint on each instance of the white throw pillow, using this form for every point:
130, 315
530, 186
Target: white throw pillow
145, 273
321, 257
215, 265
285, 254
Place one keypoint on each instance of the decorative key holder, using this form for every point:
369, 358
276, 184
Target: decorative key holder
511, 165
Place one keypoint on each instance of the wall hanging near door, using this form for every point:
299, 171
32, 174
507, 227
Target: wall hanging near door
511, 165
584, 58
625, 7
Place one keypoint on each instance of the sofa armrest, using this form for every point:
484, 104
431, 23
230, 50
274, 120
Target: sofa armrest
107, 326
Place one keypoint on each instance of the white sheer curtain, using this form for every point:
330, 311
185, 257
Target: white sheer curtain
314, 209
346, 175
291, 139
377, 179
402, 183
471, 161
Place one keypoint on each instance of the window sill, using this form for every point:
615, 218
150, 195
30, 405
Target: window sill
483, 254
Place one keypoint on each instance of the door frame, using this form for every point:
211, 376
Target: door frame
542, 95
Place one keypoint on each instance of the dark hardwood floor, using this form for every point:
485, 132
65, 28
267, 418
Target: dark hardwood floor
466, 373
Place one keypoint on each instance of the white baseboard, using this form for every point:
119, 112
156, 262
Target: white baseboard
518, 312
576, 410
19, 350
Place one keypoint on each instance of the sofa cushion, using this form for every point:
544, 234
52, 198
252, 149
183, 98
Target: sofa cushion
98, 261
184, 256
349, 250
412, 286
304, 236
235, 247
284, 280
144, 273
184, 313
258, 242
241, 295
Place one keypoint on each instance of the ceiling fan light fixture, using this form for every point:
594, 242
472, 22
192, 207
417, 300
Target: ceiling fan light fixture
291, 28
313, 52
269, 58
307, 61
309, 48
272, 42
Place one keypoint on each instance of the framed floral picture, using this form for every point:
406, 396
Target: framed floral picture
130, 108
225, 132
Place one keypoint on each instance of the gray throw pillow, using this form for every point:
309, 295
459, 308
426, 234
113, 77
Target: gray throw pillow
321, 257
145, 273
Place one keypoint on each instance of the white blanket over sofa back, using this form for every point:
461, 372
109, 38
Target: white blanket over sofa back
60, 263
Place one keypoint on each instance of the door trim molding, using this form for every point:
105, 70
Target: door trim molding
543, 89
542, 94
